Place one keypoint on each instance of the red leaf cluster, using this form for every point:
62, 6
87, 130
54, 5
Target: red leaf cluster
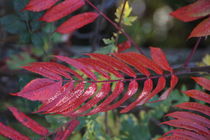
194, 11
80, 96
191, 125
57, 9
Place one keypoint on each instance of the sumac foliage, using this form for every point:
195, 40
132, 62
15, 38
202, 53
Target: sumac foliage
191, 125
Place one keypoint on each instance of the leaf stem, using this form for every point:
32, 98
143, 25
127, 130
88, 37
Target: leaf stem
192, 52
116, 26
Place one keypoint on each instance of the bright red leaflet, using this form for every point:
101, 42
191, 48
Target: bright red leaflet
193, 11
132, 89
188, 125
205, 83
133, 62
117, 91
148, 86
39, 5
40, 89
100, 65
159, 58
195, 107
112, 62
197, 94
11, 133
175, 137
77, 22
183, 132
202, 29
123, 46
78, 65
190, 116
144, 61
160, 86
64, 134
62, 9
28, 122
85, 96
98, 97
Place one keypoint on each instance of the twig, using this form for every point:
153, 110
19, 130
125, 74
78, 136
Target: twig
192, 52
116, 26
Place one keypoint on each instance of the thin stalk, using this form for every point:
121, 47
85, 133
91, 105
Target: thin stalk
192, 52
116, 26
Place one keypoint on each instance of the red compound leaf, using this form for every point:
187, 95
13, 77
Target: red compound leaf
11, 133
77, 22
62, 9
64, 134
28, 122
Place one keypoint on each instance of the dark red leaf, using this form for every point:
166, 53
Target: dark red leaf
117, 91
78, 65
11, 133
193, 11
98, 97
195, 107
62, 9
190, 116
189, 125
40, 89
132, 89
183, 132
115, 63
159, 58
197, 94
64, 134
205, 83
148, 86
202, 29
77, 22
123, 46
39, 5
175, 137
133, 62
160, 86
28, 122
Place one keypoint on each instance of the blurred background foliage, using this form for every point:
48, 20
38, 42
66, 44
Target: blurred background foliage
25, 39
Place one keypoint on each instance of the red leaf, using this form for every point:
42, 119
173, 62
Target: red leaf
85, 96
197, 94
159, 58
205, 83
11, 133
123, 46
77, 22
78, 65
28, 122
190, 116
39, 5
183, 132
117, 91
64, 134
61, 10
148, 85
160, 86
144, 61
115, 63
132, 61
175, 137
188, 125
193, 11
40, 89
98, 97
202, 29
132, 89
195, 107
